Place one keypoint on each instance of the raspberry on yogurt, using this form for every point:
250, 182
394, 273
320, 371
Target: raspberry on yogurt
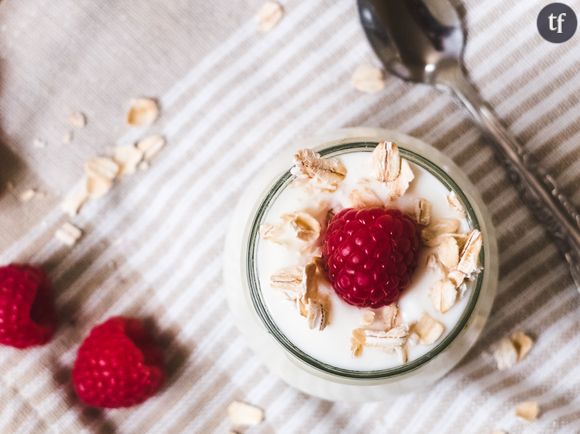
370, 255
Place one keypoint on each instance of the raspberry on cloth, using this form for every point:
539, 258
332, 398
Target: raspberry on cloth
118, 365
26, 309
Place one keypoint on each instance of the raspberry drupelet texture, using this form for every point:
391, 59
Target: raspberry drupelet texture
118, 365
370, 254
26, 309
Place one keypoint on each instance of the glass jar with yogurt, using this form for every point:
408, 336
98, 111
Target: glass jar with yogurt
323, 345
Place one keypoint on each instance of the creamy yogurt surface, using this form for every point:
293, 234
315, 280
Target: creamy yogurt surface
333, 344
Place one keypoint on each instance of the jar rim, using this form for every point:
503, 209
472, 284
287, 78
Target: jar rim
255, 288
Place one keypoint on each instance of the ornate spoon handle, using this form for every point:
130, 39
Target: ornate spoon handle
538, 189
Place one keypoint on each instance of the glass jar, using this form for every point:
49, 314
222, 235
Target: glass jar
288, 361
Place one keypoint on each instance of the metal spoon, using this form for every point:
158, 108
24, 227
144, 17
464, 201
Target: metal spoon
422, 41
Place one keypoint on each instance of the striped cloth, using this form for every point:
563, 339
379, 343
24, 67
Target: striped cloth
231, 99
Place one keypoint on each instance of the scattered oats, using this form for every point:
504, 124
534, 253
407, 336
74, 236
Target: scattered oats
443, 295
300, 225
272, 232
98, 187
75, 199
461, 290
269, 16
428, 329
317, 313
399, 187
243, 414
27, 195
505, 354
364, 197
309, 283
456, 278
67, 138
461, 239
386, 333
77, 120
317, 259
128, 158
523, 344
151, 145
300, 285
326, 173
143, 165
423, 212
357, 342
39, 143
510, 350
390, 341
368, 79
101, 167
142, 112
431, 234
448, 252
403, 353
310, 249
387, 340
68, 234
413, 337
305, 226
528, 411
100, 174
368, 317
455, 204
390, 316
434, 242
390, 168
289, 280
469, 261
436, 266
386, 161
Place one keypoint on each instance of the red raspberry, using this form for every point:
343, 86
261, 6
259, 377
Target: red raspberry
118, 365
370, 255
26, 310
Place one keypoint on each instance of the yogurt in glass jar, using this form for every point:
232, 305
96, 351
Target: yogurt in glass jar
279, 289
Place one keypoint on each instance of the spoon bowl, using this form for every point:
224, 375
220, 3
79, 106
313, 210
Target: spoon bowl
415, 40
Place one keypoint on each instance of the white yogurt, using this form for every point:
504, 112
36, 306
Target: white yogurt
332, 345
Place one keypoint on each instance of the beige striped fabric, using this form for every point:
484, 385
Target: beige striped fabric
231, 98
